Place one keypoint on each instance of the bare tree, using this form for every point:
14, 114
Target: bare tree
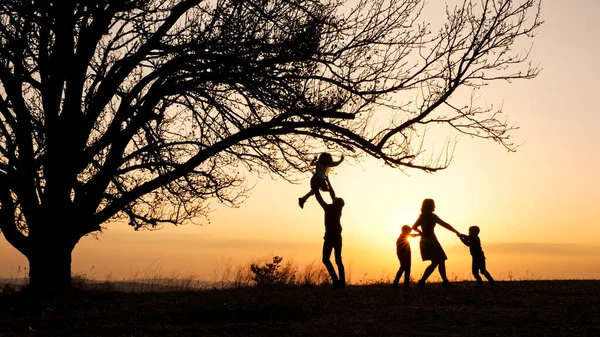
145, 110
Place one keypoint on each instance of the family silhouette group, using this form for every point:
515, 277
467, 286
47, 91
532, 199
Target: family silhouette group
424, 227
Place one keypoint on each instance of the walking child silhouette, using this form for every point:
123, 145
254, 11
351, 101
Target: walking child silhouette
474, 243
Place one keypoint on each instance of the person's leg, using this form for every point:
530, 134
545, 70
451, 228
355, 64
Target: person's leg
327, 248
339, 263
399, 273
405, 262
442, 270
407, 275
486, 273
308, 195
427, 273
488, 276
475, 271
302, 200
313, 187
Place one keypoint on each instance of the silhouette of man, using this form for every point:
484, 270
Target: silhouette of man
333, 236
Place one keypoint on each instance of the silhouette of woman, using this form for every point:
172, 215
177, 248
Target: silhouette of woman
431, 249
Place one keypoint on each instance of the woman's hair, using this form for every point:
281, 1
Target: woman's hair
428, 206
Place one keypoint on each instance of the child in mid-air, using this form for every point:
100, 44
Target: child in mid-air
319, 178
403, 253
474, 243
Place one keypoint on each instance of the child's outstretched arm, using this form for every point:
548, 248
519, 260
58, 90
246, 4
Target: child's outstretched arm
336, 163
464, 239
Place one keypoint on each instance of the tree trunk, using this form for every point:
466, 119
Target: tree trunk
50, 267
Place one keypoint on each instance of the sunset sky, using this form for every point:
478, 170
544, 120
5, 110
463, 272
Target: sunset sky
538, 208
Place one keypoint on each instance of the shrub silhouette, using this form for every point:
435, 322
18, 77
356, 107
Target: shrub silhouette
270, 274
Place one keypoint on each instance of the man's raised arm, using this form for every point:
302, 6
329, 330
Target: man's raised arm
331, 191
320, 198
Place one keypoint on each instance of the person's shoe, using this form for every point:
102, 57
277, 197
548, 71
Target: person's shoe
448, 285
406, 285
421, 284
395, 285
301, 202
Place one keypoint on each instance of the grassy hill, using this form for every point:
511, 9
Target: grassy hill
516, 308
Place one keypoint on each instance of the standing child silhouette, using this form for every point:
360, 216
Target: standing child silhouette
474, 243
404, 255
319, 178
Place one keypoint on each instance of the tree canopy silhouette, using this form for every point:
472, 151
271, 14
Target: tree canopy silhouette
145, 110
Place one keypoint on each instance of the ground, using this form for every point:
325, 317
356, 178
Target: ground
515, 308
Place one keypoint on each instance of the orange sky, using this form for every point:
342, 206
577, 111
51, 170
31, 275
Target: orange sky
537, 208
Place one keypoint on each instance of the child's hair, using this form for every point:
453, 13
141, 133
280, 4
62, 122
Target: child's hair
474, 230
406, 229
325, 158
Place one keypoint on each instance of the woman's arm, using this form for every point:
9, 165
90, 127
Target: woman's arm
446, 225
415, 227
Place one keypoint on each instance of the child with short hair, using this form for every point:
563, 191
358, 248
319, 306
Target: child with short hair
319, 178
404, 255
474, 243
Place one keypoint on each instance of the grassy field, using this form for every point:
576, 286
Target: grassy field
515, 308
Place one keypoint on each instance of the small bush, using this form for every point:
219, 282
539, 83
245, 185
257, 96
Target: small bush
272, 274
